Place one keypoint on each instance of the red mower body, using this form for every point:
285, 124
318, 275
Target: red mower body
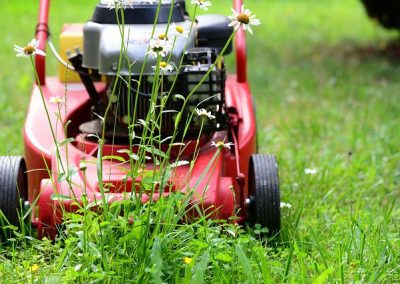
222, 188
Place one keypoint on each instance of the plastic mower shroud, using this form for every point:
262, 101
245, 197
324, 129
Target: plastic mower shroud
225, 188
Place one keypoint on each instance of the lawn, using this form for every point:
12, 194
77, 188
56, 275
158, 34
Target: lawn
326, 82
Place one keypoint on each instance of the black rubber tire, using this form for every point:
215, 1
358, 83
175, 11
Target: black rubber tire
264, 193
13, 187
387, 12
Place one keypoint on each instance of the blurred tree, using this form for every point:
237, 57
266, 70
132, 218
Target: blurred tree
386, 12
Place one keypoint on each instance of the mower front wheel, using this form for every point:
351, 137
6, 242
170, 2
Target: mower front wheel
13, 189
264, 196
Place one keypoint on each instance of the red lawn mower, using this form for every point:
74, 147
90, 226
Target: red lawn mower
239, 179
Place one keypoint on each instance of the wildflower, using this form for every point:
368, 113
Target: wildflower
188, 260
285, 205
34, 267
159, 47
164, 67
243, 18
202, 4
57, 100
221, 144
204, 113
310, 171
83, 166
29, 49
117, 4
162, 36
180, 31
111, 4
125, 119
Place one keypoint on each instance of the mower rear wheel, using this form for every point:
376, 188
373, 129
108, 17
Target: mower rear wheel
13, 188
264, 196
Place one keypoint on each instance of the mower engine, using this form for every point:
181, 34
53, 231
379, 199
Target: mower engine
129, 75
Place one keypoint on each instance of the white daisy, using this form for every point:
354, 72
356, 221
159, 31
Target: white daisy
111, 4
310, 171
29, 50
243, 18
57, 100
285, 205
180, 31
117, 4
164, 67
159, 47
221, 144
204, 113
202, 4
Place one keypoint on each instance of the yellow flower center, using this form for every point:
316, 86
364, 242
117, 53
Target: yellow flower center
220, 144
29, 49
243, 18
163, 64
162, 37
180, 29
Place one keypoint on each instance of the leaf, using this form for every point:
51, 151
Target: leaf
60, 197
118, 158
66, 141
53, 279
169, 111
93, 136
224, 257
154, 151
142, 122
245, 264
180, 97
156, 261
200, 268
179, 163
94, 250
323, 277
99, 116
199, 244
177, 144
61, 177
105, 223
138, 229
133, 156
72, 170
166, 139
124, 151
178, 119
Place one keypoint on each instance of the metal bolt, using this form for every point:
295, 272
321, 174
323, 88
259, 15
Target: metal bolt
247, 203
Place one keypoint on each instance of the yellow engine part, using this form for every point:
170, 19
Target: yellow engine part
71, 38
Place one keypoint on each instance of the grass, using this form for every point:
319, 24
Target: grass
326, 86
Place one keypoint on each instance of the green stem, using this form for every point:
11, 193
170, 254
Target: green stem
47, 112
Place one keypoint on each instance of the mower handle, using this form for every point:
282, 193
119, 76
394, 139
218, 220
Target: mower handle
42, 34
241, 55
